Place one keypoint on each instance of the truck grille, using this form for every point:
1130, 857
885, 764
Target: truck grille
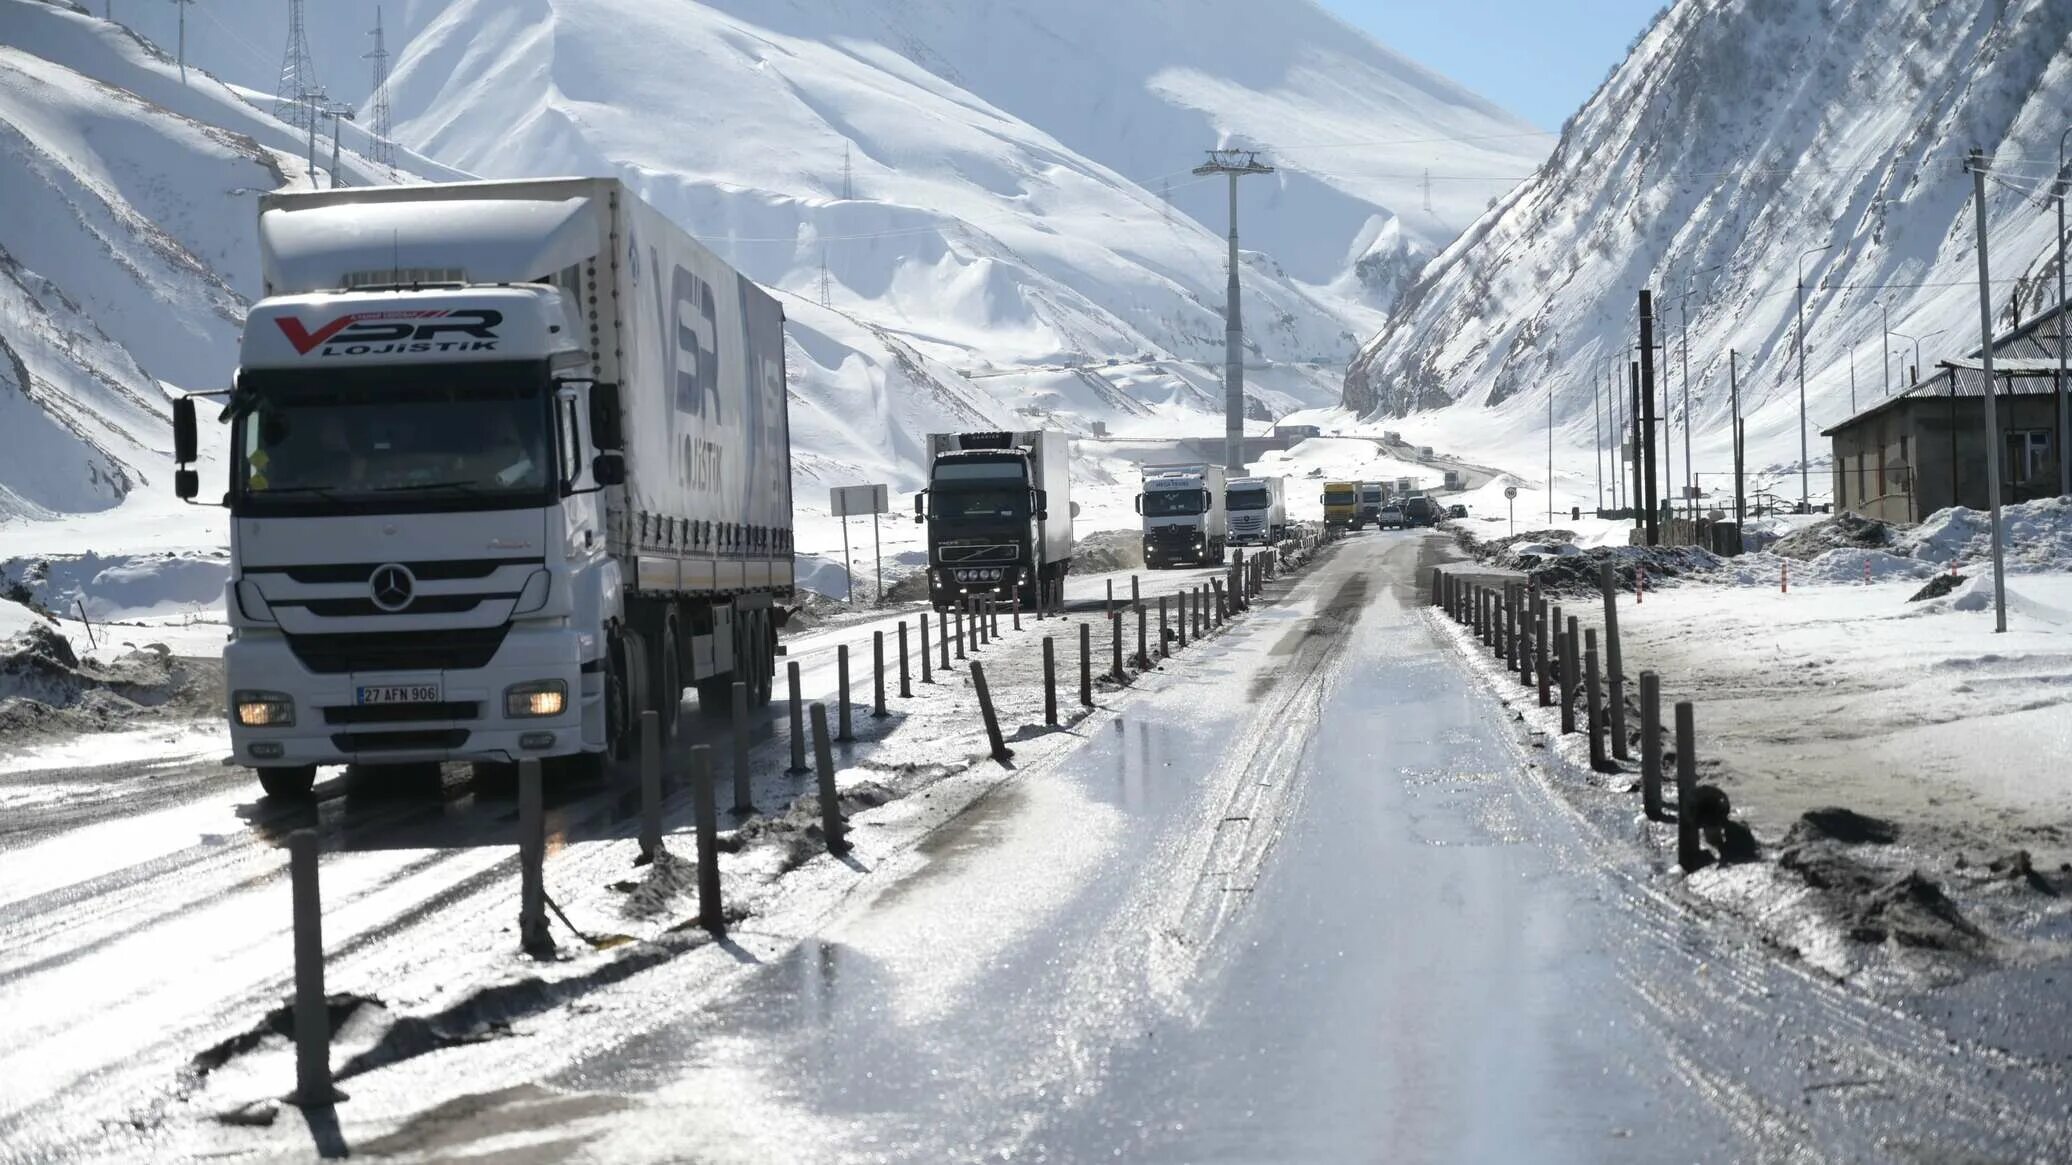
336, 654
966, 554
402, 713
1172, 535
359, 572
416, 740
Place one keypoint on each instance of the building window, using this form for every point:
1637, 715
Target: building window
2028, 456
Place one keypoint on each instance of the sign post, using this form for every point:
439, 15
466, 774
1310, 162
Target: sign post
1511, 499
844, 500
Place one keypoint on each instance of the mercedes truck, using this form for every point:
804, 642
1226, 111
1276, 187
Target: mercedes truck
509, 464
1184, 516
999, 512
1258, 511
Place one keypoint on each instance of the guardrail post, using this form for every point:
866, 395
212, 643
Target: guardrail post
650, 785
958, 618
798, 711
1143, 655
942, 639
1050, 682
1165, 647
1617, 678
1001, 752
532, 857
1222, 610
1571, 674
1115, 638
1651, 745
1595, 703
1438, 595
831, 825
1688, 855
1136, 599
313, 1087
992, 618
878, 675
744, 798
1017, 599
1108, 604
1086, 665
842, 732
1543, 652
705, 807
906, 683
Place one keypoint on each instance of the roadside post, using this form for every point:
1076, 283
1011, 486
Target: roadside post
1688, 855
705, 804
1616, 680
1180, 618
1108, 604
842, 732
1136, 599
927, 676
842, 502
1511, 501
532, 857
1086, 665
1050, 682
1001, 752
313, 1087
1115, 627
906, 682
798, 713
1165, 647
831, 826
1143, 655
744, 800
878, 675
1571, 673
942, 636
959, 619
1651, 745
1595, 702
1438, 586
1542, 652
650, 785
1017, 599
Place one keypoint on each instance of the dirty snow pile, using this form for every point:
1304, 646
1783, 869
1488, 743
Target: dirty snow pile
47, 689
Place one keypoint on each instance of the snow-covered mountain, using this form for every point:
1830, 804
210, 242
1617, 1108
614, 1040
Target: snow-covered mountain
1738, 135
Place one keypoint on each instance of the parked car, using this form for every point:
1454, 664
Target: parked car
1456, 511
1421, 511
1391, 518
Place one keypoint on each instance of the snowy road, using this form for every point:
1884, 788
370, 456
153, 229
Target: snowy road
1295, 896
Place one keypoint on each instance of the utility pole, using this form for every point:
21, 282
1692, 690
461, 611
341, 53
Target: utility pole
1734, 400
298, 79
336, 114
1652, 519
1683, 304
1976, 163
848, 191
312, 101
1236, 164
1617, 435
2064, 395
1636, 495
384, 130
1550, 454
1885, 317
1852, 380
1597, 437
181, 6
1805, 450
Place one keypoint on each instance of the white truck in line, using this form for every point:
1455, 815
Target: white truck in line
1454, 481
999, 512
509, 464
1184, 518
1258, 510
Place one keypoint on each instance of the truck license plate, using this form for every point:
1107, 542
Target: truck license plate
399, 694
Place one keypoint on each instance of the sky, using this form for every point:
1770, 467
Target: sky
1540, 59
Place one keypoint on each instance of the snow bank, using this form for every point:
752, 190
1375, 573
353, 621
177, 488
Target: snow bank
122, 587
2035, 536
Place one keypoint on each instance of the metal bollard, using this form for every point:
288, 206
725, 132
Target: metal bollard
831, 825
705, 806
1688, 855
312, 1017
1115, 639
1571, 674
1221, 614
1017, 608
1136, 599
1001, 752
1617, 677
798, 717
842, 732
1165, 647
744, 798
878, 675
992, 618
650, 785
1108, 604
927, 676
1542, 653
1595, 704
1181, 621
1086, 665
532, 857
1050, 682
959, 617
1510, 651
1651, 745
1438, 595
1143, 655
906, 684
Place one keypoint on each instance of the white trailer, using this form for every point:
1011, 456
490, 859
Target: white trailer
1258, 510
510, 464
1184, 515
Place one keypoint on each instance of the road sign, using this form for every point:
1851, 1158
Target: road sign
1511, 492
842, 502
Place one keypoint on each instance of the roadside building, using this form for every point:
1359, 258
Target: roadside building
1924, 449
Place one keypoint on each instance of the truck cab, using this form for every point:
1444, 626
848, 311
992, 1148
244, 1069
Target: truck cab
1341, 505
1258, 512
1372, 494
1184, 516
999, 513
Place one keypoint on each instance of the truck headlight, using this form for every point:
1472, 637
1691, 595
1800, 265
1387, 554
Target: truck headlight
264, 709
538, 698
534, 596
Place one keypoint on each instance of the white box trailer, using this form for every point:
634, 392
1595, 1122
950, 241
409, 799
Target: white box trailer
1258, 510
1184, 516
387, 577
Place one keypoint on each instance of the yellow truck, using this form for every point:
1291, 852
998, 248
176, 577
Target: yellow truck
1341, 505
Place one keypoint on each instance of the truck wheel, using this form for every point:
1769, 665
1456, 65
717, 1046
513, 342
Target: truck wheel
621, 696
289, 783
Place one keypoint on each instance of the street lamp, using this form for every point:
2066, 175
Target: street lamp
1805, 450
2064, 400
1917, 350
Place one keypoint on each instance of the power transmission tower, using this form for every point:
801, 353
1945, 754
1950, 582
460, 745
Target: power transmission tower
384, 148
181, 6
1235, 163
848, 191
291, 97
826, 294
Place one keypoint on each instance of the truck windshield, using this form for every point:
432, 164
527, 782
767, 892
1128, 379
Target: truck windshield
1164, 503
389, 439
957, 503
1246, 499
1338, 497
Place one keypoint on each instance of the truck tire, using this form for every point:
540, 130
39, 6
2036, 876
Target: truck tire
624, 664
289, 782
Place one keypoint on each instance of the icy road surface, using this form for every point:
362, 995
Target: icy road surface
1299, 895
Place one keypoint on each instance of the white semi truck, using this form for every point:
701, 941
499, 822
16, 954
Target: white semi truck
999, 511
1184, 515
509, 464
1258, 510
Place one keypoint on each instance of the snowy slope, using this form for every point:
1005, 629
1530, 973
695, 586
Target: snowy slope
1739, 134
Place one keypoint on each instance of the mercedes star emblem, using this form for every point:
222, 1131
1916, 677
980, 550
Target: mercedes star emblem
392, 586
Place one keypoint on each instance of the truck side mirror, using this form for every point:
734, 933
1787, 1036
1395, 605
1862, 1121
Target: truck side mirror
605, 430
186, 484
1042, 500
186, 445
1140, 503
609, 468
920, 507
